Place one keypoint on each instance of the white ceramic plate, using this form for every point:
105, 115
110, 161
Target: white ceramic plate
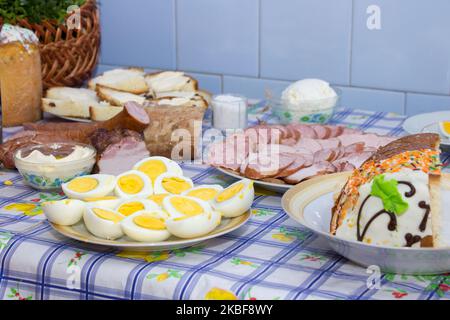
80, 233
428, 122
279, 188
309, 203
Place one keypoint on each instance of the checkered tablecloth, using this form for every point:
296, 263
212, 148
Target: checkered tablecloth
271, 257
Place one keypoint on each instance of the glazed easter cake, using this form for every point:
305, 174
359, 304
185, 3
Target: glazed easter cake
394, 198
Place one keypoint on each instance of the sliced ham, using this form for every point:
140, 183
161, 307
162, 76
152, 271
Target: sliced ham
305, 131
336, 131
259, 166
325, 155
299, 163
309, 172
353, 148
310, 144
118, 150
322, 132
329, 143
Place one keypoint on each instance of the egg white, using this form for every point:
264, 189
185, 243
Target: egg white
102, 228
138, 233
107, 203
148, 204
171, 166
159, 188
239, 203
146, 191
106, 184
193, 227
218, 188
64, 212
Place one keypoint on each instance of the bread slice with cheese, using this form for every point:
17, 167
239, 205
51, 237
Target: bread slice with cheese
117, 98
69, 102
440, 213
167, 81
128, 80
103, 113
179, 101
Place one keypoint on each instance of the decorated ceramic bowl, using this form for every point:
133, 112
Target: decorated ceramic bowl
47, 166
308, 111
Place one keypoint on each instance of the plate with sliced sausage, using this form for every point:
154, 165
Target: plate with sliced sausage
277, 157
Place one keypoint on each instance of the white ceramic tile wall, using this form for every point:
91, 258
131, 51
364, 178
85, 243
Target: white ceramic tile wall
251, 46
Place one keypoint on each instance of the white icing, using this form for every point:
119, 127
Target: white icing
378, 232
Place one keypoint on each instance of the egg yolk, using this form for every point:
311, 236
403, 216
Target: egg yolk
107, 215
158, 198
148, 222
185, 206
83, 184
131, 184
175, 185
131, 207
230, 192
153, 168
203, 193
100, 199
446, 126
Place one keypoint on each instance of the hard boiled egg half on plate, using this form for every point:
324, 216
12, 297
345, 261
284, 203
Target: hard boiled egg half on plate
235, 200
189, 217
91, 186
153, 167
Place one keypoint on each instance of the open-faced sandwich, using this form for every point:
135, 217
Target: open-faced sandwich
394, 198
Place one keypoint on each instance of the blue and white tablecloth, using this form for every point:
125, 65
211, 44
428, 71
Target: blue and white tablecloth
270, 257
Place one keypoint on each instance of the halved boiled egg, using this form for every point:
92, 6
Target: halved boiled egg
133, 183
153, 167
204, 192
189, 217
146, 226
64, 212
110, 202
444, 126
172, 183
103, 222
130, 206
235, 200
91, 186
158, 198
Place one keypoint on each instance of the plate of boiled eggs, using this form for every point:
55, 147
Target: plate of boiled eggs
151, 207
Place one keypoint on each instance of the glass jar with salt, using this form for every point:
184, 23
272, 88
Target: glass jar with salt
229, 111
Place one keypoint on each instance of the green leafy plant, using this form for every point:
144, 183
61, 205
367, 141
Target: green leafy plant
35, 10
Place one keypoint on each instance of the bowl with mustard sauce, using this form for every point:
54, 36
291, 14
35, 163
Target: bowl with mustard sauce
47, 166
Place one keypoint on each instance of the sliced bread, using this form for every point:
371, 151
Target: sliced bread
103, 113
166, 81
117, 98
440, 214
129, 80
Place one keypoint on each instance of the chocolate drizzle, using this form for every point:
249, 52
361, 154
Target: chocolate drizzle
423, 224
412, 189
411, 240
392, 225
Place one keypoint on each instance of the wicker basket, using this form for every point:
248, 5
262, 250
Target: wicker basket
68, 57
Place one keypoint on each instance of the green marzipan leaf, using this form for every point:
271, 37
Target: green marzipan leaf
388, 192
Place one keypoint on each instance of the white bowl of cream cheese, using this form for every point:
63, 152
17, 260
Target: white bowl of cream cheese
47, 166
307, 100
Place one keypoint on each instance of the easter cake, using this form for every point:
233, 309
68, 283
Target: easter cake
394, 198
